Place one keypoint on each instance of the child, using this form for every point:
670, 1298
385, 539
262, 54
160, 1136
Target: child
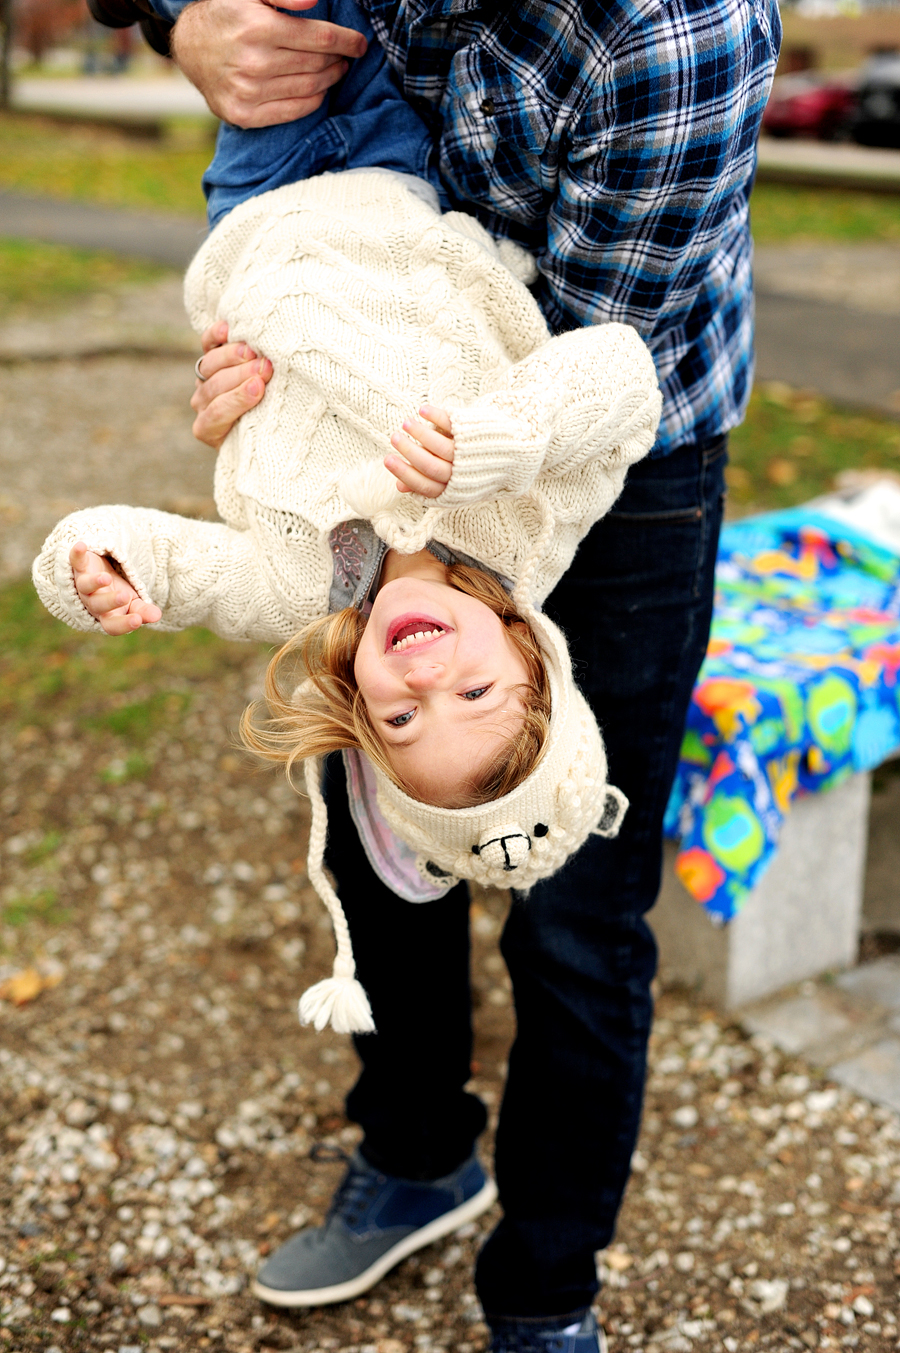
369, 302
363, 122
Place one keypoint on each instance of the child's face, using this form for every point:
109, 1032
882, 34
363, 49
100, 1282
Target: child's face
442, 705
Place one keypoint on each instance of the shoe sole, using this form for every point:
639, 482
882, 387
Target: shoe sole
417, 1240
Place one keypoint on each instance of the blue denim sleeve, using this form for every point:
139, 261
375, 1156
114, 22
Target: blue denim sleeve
364, 122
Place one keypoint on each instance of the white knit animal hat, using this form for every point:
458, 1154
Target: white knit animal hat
511, 842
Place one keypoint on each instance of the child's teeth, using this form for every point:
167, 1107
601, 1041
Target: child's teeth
399, 644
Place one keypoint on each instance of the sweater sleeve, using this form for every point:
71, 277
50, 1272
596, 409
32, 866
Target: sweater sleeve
198, 573
588, 395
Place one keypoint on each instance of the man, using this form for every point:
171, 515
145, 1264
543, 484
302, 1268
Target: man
616, 141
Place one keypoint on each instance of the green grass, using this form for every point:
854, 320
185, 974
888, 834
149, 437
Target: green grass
45, 848
42, 277
781, 214
50, 159
793, 443
117, 691
43, 906
41, 156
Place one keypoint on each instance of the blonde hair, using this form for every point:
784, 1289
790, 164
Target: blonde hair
315, 705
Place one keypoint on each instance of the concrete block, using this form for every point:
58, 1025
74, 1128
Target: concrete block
881, 898
876, 983
874, 1073
801, 920
797, 1023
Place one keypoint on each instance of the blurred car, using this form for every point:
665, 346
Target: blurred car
810, 105
876, 121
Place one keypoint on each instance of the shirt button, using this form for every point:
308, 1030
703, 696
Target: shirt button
487, 107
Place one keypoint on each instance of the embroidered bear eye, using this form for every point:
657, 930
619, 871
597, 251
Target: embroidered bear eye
540, 829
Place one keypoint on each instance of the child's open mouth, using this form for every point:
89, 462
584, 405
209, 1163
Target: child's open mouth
408, 631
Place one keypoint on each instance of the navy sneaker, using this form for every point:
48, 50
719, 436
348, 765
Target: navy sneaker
526, 1336
375, 1220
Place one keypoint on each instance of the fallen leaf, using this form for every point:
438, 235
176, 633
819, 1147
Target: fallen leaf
780, 471
182, 1299
22, 987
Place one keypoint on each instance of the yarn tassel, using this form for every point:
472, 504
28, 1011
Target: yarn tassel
338, 1000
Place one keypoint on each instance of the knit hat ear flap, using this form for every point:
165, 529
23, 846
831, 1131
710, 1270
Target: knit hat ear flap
614, 809
338, 1000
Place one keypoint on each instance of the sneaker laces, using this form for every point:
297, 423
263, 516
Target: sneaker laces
529, 1339
355, 1192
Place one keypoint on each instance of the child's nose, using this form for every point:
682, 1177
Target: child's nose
424, 677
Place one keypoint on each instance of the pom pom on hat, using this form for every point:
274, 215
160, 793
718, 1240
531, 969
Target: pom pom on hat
369, 490
340, 1002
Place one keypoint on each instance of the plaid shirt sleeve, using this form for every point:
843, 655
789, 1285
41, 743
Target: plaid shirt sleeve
649, 225
617, 141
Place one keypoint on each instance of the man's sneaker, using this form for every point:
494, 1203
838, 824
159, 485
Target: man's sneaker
375, 1221
528, 1337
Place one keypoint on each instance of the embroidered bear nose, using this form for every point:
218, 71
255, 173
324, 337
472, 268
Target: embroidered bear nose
505, 849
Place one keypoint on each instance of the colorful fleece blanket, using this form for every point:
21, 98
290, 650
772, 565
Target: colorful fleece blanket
798, 690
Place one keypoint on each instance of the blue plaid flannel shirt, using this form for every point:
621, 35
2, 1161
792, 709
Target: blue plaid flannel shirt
617, 142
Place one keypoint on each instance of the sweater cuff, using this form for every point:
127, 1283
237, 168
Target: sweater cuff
54, 578
495, 455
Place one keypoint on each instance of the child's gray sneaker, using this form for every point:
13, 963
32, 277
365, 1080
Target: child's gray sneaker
529, 1336
375, 1221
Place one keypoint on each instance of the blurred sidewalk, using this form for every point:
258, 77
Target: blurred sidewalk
824, 164
169, 95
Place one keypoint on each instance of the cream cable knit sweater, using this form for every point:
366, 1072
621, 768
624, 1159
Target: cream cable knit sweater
368, 303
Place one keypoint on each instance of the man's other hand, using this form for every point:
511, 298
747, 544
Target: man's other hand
256, 67
234, 380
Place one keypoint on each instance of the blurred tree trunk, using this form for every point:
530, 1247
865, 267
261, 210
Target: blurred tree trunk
5, 52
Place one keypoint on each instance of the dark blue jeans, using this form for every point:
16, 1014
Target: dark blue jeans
636, 606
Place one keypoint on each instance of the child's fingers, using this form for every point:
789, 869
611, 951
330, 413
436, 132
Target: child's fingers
439, 417
412, 480
433, 439
120, 621
146, 611
83, 559
432, 466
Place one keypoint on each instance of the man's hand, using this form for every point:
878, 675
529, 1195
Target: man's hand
427, 449
108, 596
235, 380
256, 67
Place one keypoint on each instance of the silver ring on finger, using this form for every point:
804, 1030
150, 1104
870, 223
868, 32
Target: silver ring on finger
197, 372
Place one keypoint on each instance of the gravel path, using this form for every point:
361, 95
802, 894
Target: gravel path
159, 1100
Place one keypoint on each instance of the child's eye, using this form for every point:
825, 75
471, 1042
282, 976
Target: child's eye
478, 692
401, 719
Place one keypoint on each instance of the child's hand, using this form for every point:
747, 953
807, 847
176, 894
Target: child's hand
427, 453
108, 596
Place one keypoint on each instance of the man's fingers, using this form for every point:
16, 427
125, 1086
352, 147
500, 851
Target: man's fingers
227, 382
315, 35
228, 356
214, 422
215, 335
275, 112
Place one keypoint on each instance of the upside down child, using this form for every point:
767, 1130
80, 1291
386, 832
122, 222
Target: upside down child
413, 637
